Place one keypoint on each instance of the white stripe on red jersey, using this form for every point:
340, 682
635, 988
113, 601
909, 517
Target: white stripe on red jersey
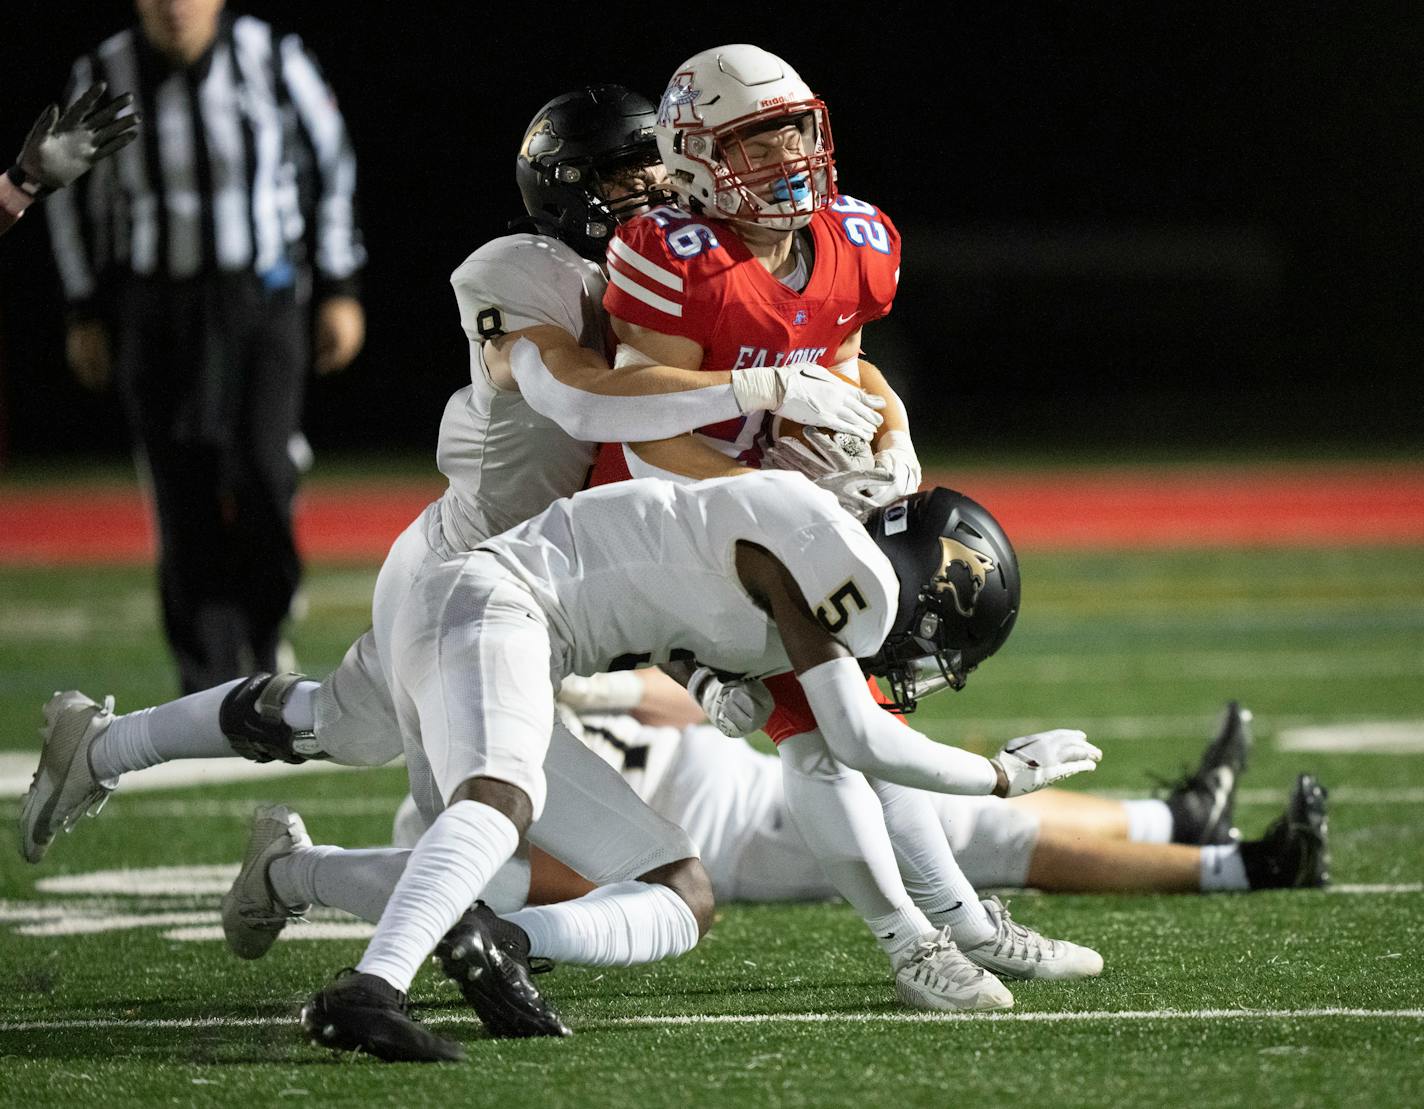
622, 252
633, 289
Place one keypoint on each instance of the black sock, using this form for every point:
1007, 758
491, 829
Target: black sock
1263, 866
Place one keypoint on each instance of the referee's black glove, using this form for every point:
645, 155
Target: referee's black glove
62, 148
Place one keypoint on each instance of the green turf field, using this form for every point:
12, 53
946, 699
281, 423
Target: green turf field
1226, 1000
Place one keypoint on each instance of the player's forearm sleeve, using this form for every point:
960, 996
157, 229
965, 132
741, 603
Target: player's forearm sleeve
862, 735
602, 418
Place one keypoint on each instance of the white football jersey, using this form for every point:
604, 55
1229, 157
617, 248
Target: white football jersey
644, 571
504, 460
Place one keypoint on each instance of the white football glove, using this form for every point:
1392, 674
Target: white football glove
820, 454
833, 463
860, 492
809, 394
735, 708
1034, 761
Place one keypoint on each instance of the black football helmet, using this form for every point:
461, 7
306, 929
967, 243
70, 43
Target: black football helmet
574, 147
959, 590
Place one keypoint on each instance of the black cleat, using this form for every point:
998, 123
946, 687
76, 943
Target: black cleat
488, 958
1203, 803
361, 1012
1295, 851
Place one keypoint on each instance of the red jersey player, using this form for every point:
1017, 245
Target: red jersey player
762, 263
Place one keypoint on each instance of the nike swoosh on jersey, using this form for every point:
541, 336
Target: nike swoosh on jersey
843, 319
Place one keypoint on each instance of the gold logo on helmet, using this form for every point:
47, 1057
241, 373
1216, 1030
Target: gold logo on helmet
541, 140
963, 572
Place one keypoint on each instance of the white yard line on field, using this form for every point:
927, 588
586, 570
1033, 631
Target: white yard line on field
1380, 737
16, 770
1362, 888
1104, 1015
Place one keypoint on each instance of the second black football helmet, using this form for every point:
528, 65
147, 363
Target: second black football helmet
959, 588
576, 145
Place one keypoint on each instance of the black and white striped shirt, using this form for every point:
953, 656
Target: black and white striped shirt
239, 156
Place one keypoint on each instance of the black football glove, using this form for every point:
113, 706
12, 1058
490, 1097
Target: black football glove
63, 147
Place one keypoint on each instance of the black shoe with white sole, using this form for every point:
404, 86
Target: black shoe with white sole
1203, 803
361, 1012
488, 958
1295, 851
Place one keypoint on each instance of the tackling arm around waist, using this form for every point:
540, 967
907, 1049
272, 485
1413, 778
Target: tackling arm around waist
635, 399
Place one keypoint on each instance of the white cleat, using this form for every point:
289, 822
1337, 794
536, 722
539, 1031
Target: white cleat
938, 976
252, 914
64, 787
1017, 951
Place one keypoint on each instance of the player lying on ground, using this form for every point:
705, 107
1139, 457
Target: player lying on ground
582, 587
728, 797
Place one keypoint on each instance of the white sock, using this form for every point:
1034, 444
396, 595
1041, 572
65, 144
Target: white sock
360, 882
618, 925
183, 729
1222, 868
898, 932
931, 873
444, 875
299, 713
1148, 821
839, 818
357, 882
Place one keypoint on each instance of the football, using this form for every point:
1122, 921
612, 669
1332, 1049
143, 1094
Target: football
858, 450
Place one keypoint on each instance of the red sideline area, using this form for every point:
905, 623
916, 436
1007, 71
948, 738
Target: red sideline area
1354, 503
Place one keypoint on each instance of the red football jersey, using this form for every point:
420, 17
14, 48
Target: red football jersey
676, 273
672, 272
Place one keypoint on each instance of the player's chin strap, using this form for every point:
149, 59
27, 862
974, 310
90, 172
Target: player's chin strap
251, 718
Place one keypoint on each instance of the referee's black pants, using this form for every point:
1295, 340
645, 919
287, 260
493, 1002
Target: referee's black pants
211, 371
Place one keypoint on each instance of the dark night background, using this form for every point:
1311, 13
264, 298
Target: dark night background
1124, 225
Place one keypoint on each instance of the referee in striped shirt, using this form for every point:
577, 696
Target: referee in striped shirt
186, 260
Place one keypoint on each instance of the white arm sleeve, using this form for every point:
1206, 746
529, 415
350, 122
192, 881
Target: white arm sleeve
621, 691
598, 418
862, 735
